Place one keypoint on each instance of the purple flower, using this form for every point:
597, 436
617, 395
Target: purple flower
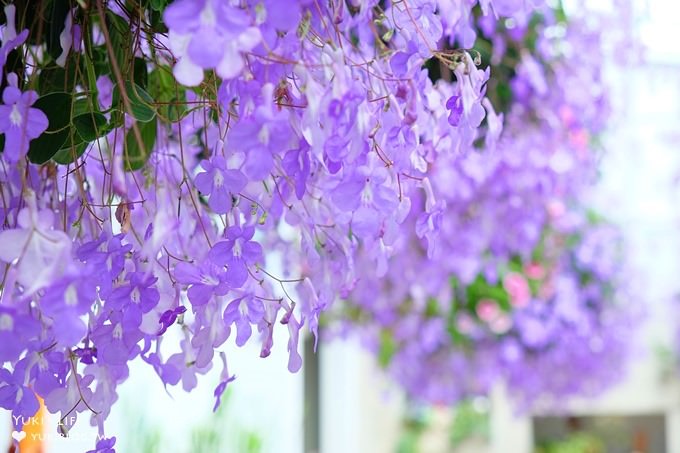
168, 373
237, 253
455, 105
15, 395
367, 194
169, 317
104, 91
294, 357
107, 254
140, 291
41, 252
69, 37
116, 342
428, 226
105, 446
313, 304
225, 379
206, 280
282, 15
69, 397
65, 302
15, 331
86, 355
185, 367
296, 164
262, 135
10, 39
18, 121
243, 312
220, 183
211, 333
208, 34
73, 294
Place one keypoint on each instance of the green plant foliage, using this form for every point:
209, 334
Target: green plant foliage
163, 88
141, 103
468, 422
90, 126
55, 78
576, 443
135, 155
54, 105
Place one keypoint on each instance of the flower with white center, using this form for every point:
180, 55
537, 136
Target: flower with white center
6, 322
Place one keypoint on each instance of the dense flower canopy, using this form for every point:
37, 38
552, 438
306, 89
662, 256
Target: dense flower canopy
504, 274
222, 166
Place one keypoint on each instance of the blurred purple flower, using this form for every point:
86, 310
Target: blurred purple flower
208, 34
243, 312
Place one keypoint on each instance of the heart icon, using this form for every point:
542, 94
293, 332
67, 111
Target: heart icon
18, 435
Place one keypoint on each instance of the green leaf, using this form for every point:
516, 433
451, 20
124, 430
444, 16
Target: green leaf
432, 307
69, 154
141, 102
388, 347
157, 24
121, 40
135, 156
55, 78
57, 108
100, 61
90, 126
158, 5
59, 11
163, 88
140, 72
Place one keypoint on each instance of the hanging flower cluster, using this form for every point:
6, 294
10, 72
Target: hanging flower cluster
549, 326
502, 277
207, 167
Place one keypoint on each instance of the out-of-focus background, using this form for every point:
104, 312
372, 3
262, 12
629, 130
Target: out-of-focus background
341, 401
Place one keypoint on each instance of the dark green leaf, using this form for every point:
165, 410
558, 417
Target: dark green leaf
37, 14
69, 154
121, 40
55, 78
59, 11
135, 156
158, 5
57, 108
90, 126
141, 102
100, 60
140, 73
157, 24
81, 105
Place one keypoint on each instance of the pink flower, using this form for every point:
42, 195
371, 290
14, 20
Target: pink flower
534, 271
502, 324
518, 288
556, 209
487, 310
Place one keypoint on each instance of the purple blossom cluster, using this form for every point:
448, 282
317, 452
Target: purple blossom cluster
280, 159
548, 328
501, 279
